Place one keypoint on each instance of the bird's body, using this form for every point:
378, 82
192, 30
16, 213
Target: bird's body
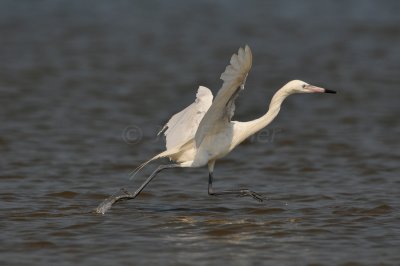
203, 132
212, 134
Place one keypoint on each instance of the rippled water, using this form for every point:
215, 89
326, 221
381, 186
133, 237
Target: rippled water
85, 86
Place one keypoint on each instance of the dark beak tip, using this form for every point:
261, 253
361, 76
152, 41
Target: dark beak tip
330, 91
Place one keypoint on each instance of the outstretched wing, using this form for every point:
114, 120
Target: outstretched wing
183, 125
223, 107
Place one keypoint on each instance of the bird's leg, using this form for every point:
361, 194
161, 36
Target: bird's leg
239, 192
124, 194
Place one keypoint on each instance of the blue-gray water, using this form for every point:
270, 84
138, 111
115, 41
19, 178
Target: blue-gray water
86, 85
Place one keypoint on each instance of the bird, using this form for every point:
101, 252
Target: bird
204, 132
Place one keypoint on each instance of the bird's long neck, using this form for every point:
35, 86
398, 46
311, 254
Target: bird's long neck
251, 127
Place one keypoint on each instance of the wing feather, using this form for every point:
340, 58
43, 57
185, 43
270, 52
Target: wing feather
183, 125
222, 109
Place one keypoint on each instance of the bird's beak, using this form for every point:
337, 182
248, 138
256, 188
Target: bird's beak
318, 89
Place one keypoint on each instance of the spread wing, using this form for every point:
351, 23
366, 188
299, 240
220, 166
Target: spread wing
222, 109
182, 126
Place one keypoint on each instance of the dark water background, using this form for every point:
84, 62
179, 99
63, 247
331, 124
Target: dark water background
85, 86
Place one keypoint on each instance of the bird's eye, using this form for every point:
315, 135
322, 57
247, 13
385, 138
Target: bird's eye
304, 85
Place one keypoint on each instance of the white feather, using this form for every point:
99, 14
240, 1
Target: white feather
222, 109
183, 125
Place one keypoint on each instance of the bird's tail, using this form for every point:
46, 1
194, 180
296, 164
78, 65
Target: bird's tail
160, 155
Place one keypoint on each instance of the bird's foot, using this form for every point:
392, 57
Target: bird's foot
249, 193
123, 194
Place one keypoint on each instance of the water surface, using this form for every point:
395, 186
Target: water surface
85, 87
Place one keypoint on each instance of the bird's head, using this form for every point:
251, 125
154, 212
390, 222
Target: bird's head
298, 86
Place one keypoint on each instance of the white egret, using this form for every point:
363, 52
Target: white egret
203, 132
